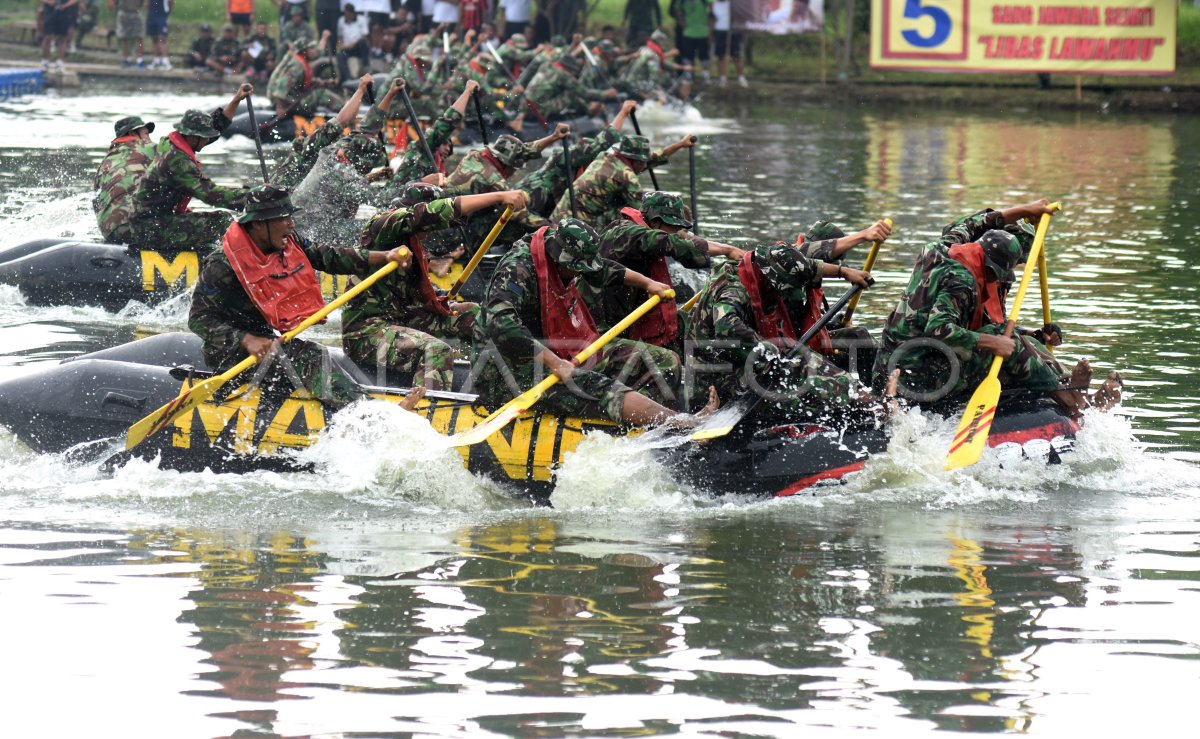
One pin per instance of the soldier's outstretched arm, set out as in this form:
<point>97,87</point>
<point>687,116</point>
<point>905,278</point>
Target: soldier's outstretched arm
<point>239,95</point>
<point>515,199</point>
<point>350,110</point>
<point>1033,211</point>
<point>460,104</point>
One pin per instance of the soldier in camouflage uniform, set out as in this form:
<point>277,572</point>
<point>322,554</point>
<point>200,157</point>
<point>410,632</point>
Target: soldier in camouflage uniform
<point>293,87</point>
<point>558,93</point>
<point>415,67</point>
<point>548,183</point>
<point>946,358</point>
<point>625,382</point>
<point>329,197</point>
<point>610,182</point>
<point>118,177</point>
<point>397,326</point>
<point>232,327</point>
<point>638,247</point>
<point>161,219</point>
<point>292,170</point>
<point>731,346</point>
<point>488,170</point>
<point>649,72</point>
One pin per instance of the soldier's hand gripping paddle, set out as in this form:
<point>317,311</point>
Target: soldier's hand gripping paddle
<point>478,256</point>
<point>189,398</point>
<point>972,434</point>
<point>518,405</point>
<point>703,434</point>
<point>866,268</point>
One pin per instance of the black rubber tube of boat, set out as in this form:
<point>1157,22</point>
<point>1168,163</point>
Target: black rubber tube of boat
<point>412,120</point>
<point>638,130</point>
<point>570,175</point>
<point>262,160</point>
<point>479,116</point>
<point>692,184</point>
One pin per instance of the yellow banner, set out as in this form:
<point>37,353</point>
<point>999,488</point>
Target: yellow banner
<point>1111,37</point>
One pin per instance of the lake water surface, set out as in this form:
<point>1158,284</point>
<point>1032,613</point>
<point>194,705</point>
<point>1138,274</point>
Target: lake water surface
<point>391,593</point>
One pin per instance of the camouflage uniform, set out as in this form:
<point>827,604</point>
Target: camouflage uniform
<point>646,73</point>
<point>475,175</point>
<point>291,33</point>
<point>510,321</point>
<point>330,195</point>
<point>725,314</point>
<point>415,164</point>
<point>117,179</point>
<point>854,347</point>
<point>607,185</point>
<point>226,51</point>
<point>557,93</point>
<point>938,305</point>
<point>548,183</point>
<point>421,80</point>
<point>287,84</point>
<point>635,247</point>
<point>222,313</point>
<point>171,178</point>
<point>390,326</point>
<point>292,170</point>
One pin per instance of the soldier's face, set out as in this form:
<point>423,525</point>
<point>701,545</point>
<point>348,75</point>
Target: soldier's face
<point>143,134</point>
<point>273,235</point>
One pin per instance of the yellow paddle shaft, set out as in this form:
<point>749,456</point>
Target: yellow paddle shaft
<point>871,255</point>
<point>1044,279</point>
<point>483,249</point>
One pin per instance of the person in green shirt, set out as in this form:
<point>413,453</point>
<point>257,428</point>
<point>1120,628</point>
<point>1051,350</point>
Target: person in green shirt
<point>694,16</point>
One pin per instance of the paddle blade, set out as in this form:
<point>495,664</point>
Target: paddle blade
<point>976,424</point>
<point>166,415</point>
<point>712,433</point>
<point>487,427</point>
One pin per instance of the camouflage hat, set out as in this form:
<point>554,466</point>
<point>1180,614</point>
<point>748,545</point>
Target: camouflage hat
<point>442,243</point>
<point>1001,252</point>
<point>228,28</point>
<point>510,151</point>
<point>265,203</point>
<point>518,40</point>
<point>606,46</point>
<point>665,207</point>
<point>558,40</point>
<point>822,230</point>
<point>635,147</point>
<point>579,246</point>
<point>302,45</point>
<point>420,49</point>
<point>783,266</point>
<point>129,124</point>
<point>197,123</point>
<point>1024,231</point>
<point>417,192</point>
<point>658,37</point>
<point>363,151</point>
<point>570,61</point>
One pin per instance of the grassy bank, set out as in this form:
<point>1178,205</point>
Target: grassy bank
<point>795,59</point>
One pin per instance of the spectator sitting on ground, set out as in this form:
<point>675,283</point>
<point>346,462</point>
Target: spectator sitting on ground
<point>129,29</point>
<point>226,57</point>
<point>296,29</point>
<point>202,48</point>
<point>259,54</point>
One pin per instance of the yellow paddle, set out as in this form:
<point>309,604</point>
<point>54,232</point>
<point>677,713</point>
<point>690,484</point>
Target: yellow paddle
<point>189,398</point>
<point>478,257</point>
<point>871,255</point>
<point>976,424</point>
<point>1044,279</point>
<point>518,405</point>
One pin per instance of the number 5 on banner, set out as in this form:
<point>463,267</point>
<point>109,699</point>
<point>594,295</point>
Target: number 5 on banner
<point>925,29</point>
<point>941,24</point>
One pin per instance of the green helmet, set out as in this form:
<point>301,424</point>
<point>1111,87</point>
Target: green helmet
<point>578,244</point>
<point>363,151</point>
<point>518,40</point>
<point>265,203</point>
<point>197,123</point>
<point>129,124</point>
<point>1001,252</point>
<point>784,266</point>
<point>635,147</point>
<point>510,151</point>
<point>822,230</point>
<point>665,207</point>
<point>1024,231</point>
<point>417,192</point>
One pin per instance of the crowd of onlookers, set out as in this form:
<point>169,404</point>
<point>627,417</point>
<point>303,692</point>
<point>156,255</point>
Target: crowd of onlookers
<point>379,29</point>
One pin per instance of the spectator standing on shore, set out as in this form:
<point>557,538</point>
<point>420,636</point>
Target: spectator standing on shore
<point>516,17</point>
<point>727,43</point>
<point>59,21</point>
<point>641,18</point>
<point>156,28</point>
<point>445,12</point>
<point>352,30</point>
<point>694,17</point>
<point>328,13</point>
<point>202,48</point>
<point>259,54</point>
<point>129,29</point>
<point>296,29</point>
<point>241,14</point>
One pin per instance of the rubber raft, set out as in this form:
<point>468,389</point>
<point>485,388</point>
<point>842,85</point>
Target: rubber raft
<point>79,406</point>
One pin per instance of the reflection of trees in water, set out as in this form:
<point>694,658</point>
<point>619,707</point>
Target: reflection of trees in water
<point>246,613</point>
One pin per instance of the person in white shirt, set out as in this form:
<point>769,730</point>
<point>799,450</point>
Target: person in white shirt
<point>352,32</point>
<point>516,17</point>
<point>727,43</point>
<point>445,12</point>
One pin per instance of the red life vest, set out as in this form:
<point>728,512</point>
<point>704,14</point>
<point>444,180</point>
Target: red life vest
<point>772,323</point>
<point>181,143</point>
<point>308,73</point>
<point>124,139</point>
<point>281,284</point>
<point>988,306</point>
<point>661,325</point>
<point>566,321</point>
<point>416,67</point>
<point>477,67</point>
<point>814,298</point>
<point>434,302</point>
<point>491,159</point>
<point>658,50</point>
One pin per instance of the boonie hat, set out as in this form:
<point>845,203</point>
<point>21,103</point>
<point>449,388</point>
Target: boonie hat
<point>266,202</point>
<point>1001,252</point>
<point>579,246</point>
<point>417,192</point>
<point>510,151</point>
<point>822,230</point>
<point>129,124</point>
<point>658,37</point>
<point>665,207</point>
<point>635,147</point>
<point>364,151</point>
<point>784,267</point>
<point>197,123</point>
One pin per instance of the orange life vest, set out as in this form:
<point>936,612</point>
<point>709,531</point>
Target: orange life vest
<point>566,321</point>
<point>771,322</point>
<point>281,284</point>
<point>661,325</point>
<point>988,306</point>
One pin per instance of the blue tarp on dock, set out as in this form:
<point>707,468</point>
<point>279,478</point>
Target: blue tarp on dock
<point>18,82</point>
